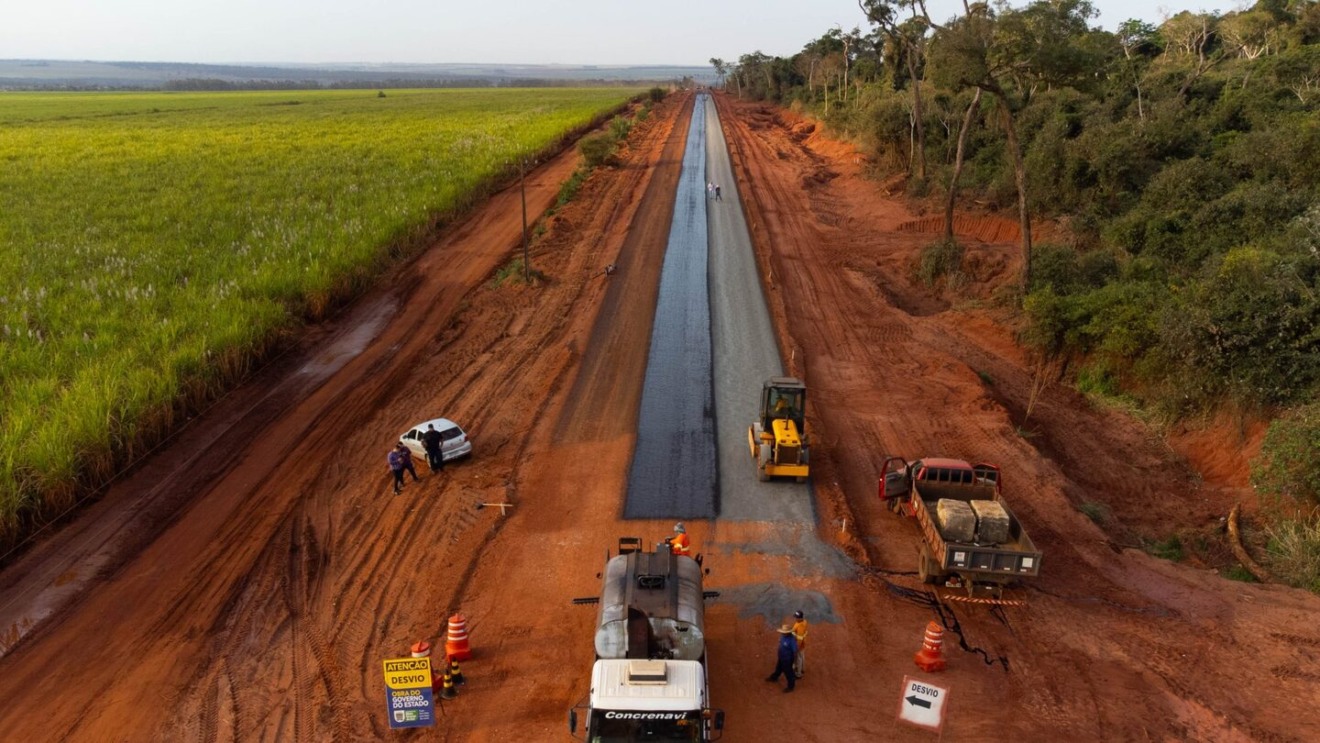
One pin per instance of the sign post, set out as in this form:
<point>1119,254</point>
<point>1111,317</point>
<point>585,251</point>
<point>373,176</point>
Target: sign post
<point>921,703</point>
<point>409,701</point>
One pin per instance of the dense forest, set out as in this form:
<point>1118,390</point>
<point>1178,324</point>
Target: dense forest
<point>1182,158</point>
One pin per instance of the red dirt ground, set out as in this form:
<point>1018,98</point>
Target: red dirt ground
<point>259,600</point>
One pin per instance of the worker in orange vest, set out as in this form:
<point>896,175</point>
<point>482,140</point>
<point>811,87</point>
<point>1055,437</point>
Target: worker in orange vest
<point>679,544</point>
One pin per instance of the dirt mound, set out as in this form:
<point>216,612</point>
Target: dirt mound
<point>801,130</point>
<point>986,229</point>
<point>1222,448</point>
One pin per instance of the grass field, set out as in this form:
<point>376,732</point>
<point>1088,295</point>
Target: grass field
<point>151,244</point>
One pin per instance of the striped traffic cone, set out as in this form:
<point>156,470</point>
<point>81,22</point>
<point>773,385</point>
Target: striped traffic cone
<point>455,673</point>
<point>421,649</point>
<point>448,691</point>
<point>930,657</point>
<point>456,646</point>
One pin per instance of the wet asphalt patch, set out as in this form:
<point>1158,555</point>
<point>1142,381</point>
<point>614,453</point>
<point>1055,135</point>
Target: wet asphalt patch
<point>673,472</point>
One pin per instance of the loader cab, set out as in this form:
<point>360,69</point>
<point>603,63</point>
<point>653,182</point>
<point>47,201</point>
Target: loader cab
<point>783,398</point>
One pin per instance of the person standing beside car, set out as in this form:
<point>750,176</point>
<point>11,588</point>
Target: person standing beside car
<point>395,460</point>
<point>407,461</point>
<point>431,441</point>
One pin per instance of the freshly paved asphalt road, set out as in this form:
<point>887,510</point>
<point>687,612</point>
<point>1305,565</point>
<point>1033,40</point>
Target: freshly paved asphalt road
<point>712,345</point>
<point>673,469</point>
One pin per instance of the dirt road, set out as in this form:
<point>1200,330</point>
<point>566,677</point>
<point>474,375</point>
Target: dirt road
<point>271,570</point>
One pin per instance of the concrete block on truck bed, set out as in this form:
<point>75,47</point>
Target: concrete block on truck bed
<point>991,522</point>
<point>956,519</point>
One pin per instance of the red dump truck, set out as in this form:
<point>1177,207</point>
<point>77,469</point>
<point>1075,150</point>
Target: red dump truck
<point>969,535</point>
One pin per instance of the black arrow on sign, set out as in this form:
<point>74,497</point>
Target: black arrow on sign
<point>918,701</point>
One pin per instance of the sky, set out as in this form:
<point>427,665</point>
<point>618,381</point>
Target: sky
<point>574,32</point>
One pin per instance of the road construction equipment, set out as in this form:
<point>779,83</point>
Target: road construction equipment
<point>778,438</point>
<point>649,680</point>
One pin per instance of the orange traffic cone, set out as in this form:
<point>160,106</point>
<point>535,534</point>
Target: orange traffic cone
<point>931,657</point>
<point>456,647</point>
<point>421,649</point>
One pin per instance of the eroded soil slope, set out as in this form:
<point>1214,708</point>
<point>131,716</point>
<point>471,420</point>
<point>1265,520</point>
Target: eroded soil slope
<point>1113,644</point>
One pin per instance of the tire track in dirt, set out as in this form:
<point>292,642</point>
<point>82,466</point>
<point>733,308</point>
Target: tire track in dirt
<point>575,435</point>
<point>617,337</point>
<point>1096,660</point>
<point>374,379</point>
<point>1116,674</point>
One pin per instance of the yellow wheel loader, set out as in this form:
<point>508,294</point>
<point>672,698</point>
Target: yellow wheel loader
<point>778,438</point>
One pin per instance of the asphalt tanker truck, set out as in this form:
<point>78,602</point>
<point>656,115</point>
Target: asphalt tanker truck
<point>649,679</point>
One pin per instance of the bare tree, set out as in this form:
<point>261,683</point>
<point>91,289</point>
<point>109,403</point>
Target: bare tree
<point>1252,34</point>
<point>1193,35</point>
<point>910,36</point>
<point>1008,55</point>
<point>958,164</point>
<point>831,68</point>
<point>1134,36</point>
<point>806,63</point>
<point>720,69</point>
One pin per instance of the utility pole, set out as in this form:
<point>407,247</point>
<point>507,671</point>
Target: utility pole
<point>522,187</point>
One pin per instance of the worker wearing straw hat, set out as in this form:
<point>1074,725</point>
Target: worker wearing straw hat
<point>784,661</point>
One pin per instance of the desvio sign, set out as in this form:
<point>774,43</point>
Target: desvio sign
<point>409,701</point>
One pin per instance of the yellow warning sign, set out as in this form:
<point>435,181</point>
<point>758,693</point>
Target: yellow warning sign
<point>408,673</point>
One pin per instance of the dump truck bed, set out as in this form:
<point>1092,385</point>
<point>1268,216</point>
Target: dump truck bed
<point>995,563</point>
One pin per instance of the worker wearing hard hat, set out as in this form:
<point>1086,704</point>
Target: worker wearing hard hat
<point>679,544</point>
<point>800,634</point>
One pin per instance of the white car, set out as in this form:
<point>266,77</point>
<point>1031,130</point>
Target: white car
<point>454,443</point>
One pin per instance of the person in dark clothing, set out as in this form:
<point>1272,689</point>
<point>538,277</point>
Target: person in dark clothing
<point>787,653</point>
<point>435,456</point>
<point>395,461</point>
<point>407,461</point>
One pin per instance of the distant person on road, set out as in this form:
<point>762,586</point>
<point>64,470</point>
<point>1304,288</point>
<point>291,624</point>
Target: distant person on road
<point>784,662</point>
<point>395,461</point>
<point>717,192</point>
<point>710,190</point>
<point>435,456</point>
<point>800,634</point>
<point>679,544</point>
<point>407,461</point>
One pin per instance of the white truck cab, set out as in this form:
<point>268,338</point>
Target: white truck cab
<point>643,700</point>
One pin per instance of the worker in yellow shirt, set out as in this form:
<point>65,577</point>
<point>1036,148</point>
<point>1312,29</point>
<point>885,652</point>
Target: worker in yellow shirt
<point>799,632</point>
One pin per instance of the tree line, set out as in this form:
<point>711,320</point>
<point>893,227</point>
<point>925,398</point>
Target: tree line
<point>1183,157</point>
<point>218,84</point>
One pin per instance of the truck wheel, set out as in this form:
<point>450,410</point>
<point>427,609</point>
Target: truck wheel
<point>765,459</point>
<point>926,568</point>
